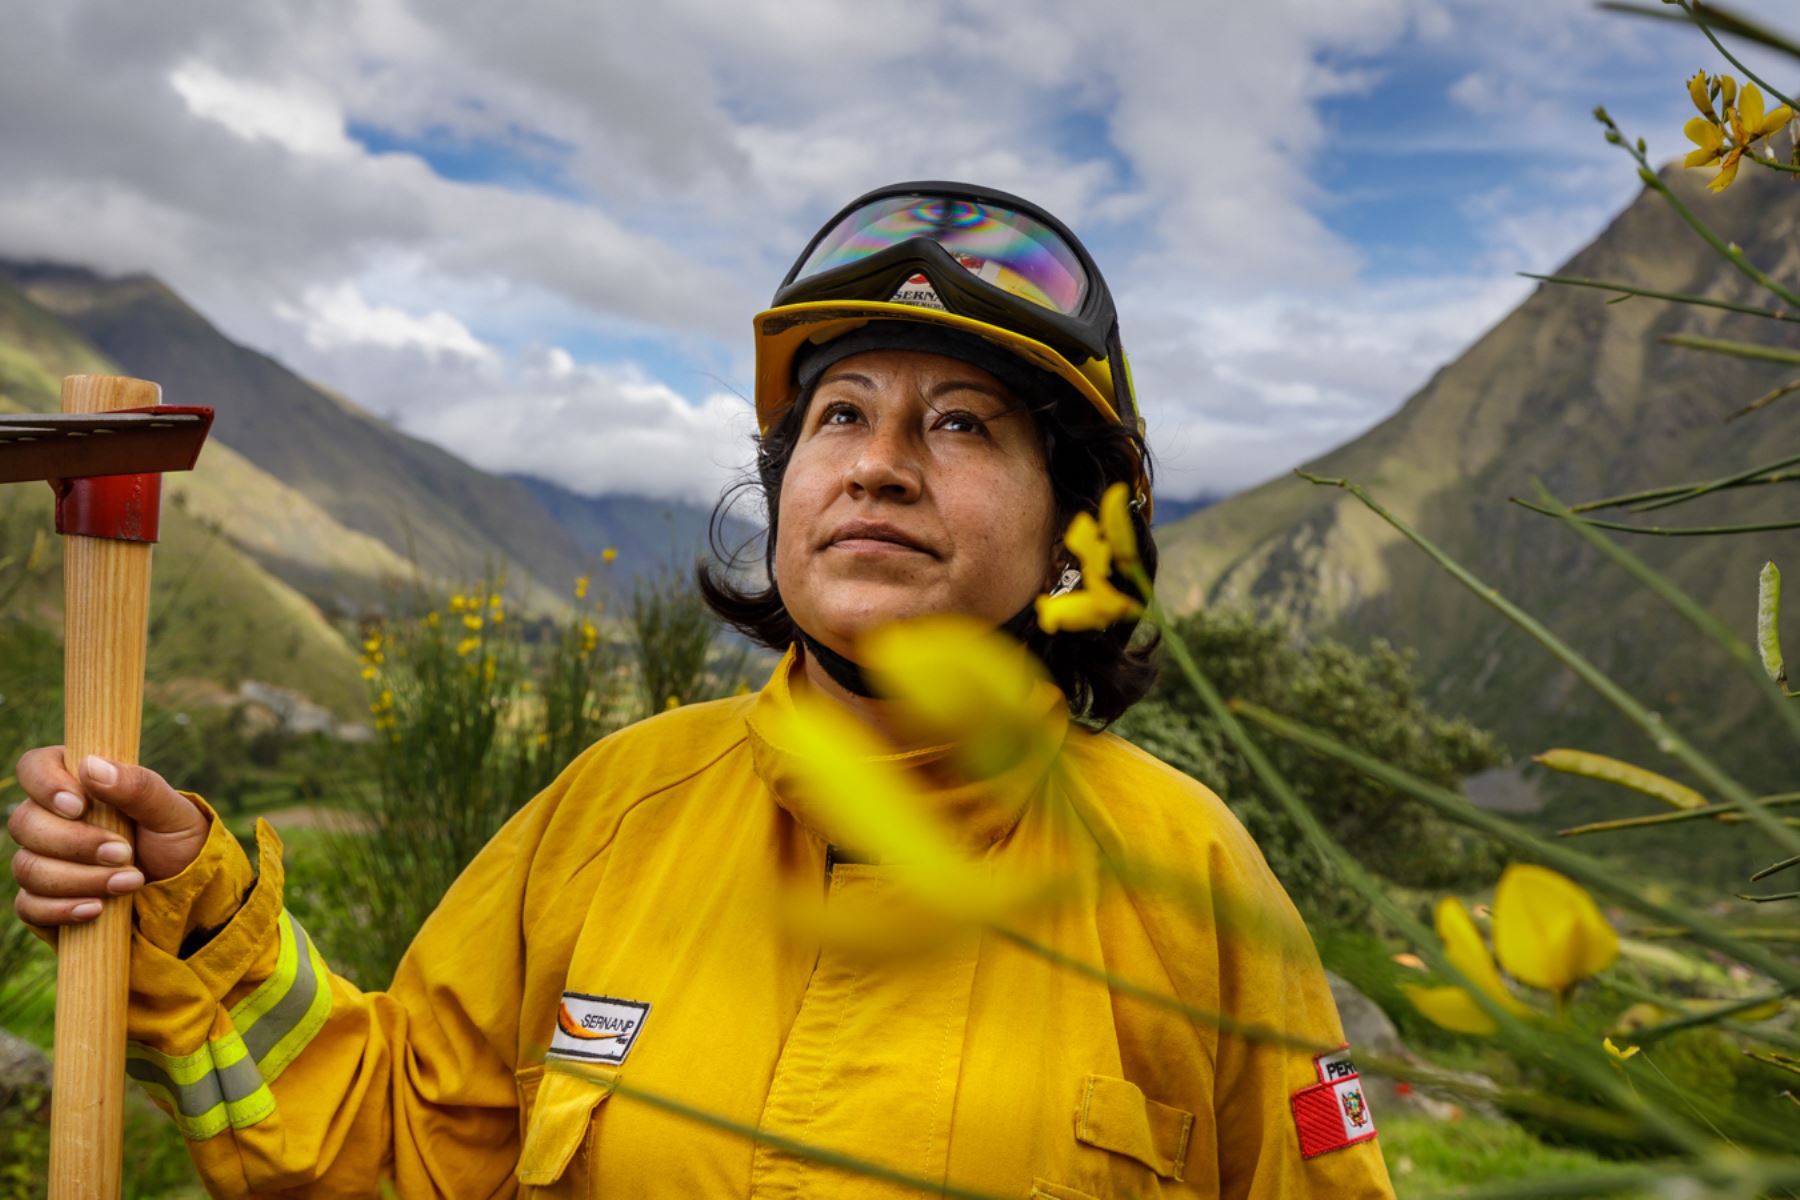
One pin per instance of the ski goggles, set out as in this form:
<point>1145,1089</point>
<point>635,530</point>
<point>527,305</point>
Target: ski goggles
<point>976,253</point>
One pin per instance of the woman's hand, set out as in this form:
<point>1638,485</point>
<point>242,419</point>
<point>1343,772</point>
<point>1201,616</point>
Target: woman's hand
<point>65,866</point>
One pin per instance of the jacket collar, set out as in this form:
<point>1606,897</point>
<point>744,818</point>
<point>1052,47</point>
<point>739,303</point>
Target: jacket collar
<point>976,815</point>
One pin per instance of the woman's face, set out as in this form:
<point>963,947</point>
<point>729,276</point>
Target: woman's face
<point>917,486</point>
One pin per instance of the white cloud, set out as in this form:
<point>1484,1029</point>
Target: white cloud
<point>299,119</point>
<point>339,316</point>
<point>697,143</point>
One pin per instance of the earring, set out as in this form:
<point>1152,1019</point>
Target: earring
<point>1071,579</point>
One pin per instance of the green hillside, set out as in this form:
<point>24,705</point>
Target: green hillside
<point>423,503</point>
<point>216,613</point>
<point>1583,395</point>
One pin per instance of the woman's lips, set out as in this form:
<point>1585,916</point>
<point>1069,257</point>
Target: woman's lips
<point>869,545</point>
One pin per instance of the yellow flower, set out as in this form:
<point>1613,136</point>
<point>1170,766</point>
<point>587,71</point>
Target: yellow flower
<point>468,646</point>
<point>610,553</point>
<point>498,617</point>
<point>1749,124</point>
<point>1617,1053</point>
<point>386,699</point>
<point>1708,136</point>
<point>1454,1007</point>
<point>956,679</point>
<point>581,587</point>
<point>672,703</point>
<point>1096,604</point>
<point>458,602</point>
<point>471,621</point>
<point>372,643</point>
<point>431,619</point>
<point>488,670</point>
<point>1548,931</point>
<point>1115,524</point>
<point>1697,92</point>
<point>494,600</point>
<point>369,672</point>
<point>743,688</point>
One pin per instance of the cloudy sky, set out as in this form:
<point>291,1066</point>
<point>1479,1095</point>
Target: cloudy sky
<point>536,232</point>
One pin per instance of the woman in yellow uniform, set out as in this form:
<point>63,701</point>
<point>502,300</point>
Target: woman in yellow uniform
<point>616,999</point>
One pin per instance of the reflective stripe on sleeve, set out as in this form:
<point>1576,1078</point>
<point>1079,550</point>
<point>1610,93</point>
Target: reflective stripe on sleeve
<point>225,1082</point>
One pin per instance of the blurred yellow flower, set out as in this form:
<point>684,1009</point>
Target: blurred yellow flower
<point>494,601</point>
<point>1617,1053</point>
<point>431,619</point>
<point>458,602</point>
<point>581,587</point>
<point>743,688</point>
<point>610,553</point>
<point>369,672</point>
<point>372,643</point>
<point>1115,524</point>
<point>672,703</point>
<point>468,646</point>
<point>471,621</point>
<point>489,669</point>
<point>1096,604</point>
<point>1453,1007</point>
<point>1548,932</point>
<point>958,680</point>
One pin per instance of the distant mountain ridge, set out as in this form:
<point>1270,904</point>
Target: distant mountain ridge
<point>1582,395</point>
<point>327,503</point>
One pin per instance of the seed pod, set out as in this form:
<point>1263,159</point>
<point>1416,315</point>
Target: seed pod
<point>1768,623</point>
<point>1612,770</point>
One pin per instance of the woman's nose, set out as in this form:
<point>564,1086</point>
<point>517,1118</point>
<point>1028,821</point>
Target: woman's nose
<point>887,466</point>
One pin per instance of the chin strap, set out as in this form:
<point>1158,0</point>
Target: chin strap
<point>849,674</point>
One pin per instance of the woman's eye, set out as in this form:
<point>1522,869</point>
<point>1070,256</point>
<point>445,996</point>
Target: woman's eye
<point>838,414</point>
<point>961,422</point>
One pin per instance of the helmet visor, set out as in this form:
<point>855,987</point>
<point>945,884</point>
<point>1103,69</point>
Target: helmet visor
<point>1006,249</point>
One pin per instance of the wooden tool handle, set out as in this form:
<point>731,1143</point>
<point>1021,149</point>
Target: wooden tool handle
<point>106,621</point>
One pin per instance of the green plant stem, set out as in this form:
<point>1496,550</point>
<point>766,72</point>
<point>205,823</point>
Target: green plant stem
<point>1651,1034</point>
<point>1584,1062</point>
<point>1661,531</point>
<point>1676,489</point>
<point>1763,401</point>
<point>1779,800</point>
<point>1693,12</point>
<point>1716,485</point>
<point>1773,1037</point>
<point>1690,611</point>
<point>1572,863</point>
<point>1783,865</point>
<point>1729,253</point>
<point>1751,350</point>
<point>1777,314</point>
<point>1660,734</point>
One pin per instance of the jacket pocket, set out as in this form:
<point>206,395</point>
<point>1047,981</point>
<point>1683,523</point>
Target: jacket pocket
<point>1043,1189</point>
<point>1115,1115</point>
<point>557,1109</point>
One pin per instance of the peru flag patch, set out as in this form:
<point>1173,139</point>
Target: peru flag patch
<point>1332,1113</point>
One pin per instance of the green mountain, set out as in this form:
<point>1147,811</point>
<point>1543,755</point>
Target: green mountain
<point>421,502</point>
<point>217,614</point>
<point>1586,397</point>
<point>650,535</point>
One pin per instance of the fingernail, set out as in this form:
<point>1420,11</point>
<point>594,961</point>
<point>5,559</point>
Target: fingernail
<point>86,909</point>
<point>100,771</point>
<point>125,881</point>
<point>115,854</point>
<point>66,803</point>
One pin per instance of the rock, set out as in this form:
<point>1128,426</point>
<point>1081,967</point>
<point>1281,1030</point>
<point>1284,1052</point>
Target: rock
<point>24,1073</point>
<point>1369,1031</point>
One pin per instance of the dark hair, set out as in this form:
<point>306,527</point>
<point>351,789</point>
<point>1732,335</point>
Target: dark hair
<point>1101,672</point>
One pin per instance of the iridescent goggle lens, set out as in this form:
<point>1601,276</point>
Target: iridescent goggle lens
<point>1005,248</point>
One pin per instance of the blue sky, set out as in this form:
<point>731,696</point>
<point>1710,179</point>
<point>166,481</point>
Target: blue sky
<point>485,223</point>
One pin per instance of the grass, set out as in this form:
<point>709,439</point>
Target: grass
<point>1426,1156</point>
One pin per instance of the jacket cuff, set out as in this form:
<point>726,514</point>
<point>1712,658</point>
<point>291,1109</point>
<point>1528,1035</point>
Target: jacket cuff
<point>202,895</point>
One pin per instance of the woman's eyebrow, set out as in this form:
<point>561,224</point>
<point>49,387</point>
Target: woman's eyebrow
<point>956,385</point>
<point>852,376</point>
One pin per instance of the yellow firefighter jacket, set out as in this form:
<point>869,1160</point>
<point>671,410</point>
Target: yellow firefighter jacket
<point>616,1000</point>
